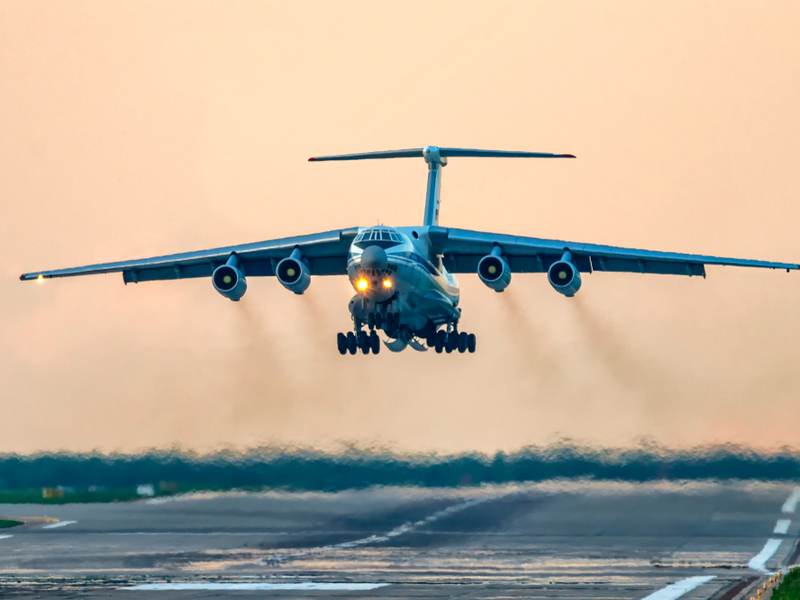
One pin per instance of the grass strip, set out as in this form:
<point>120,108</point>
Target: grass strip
<point>789,588</point>
<point>6,523</point>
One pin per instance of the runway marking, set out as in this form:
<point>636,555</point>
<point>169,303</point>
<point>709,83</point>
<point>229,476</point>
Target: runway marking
<point>782,526</point>
<point>59,524</point>
<point>402,529</point>
<point>679,588</point>
<point>791,502</point>
<point>2,537</point>
<point>200,533</point>
<point>759,561</point>
<point>350,587</point>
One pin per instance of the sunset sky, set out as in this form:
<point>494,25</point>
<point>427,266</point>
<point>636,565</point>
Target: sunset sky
<point>133,129</point>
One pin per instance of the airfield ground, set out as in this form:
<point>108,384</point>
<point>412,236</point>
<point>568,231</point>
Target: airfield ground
<point>551,540</point>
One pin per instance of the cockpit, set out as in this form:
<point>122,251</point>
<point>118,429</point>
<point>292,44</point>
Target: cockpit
<point>377,236</point>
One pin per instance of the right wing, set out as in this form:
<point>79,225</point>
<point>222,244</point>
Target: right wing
<point>326,254</point>
<point>462,249</point>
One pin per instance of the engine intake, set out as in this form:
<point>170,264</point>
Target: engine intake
<point>564,276</point>
<point>293,274</point>
<point>229,281</point>
<point>494,271</point>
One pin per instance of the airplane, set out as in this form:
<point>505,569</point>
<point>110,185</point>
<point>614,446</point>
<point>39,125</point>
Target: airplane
<point>404,277</point>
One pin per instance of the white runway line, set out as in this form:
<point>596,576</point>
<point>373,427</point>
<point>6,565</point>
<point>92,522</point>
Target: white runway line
<point>2,537</point>
<point>782,526</point>
<point>59,524</point>
<point>791,502</point>
<point>406,528</point>
<point>760,559</point>
<point>679,588</point>
<point>350,587</point>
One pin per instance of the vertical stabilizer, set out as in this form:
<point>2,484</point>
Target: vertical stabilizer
<point>433,193</point>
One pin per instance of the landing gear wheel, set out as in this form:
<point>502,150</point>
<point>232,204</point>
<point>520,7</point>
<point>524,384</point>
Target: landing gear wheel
<point>471,343</point>
<point>363,342</point>
<point>452,342</point>
<point>378,321</point>
<point>431,340</point>
<point>462,342</point>
<point>352,342</point>
<point>341,343</point>
<point>374,342</point>
<point>371,321</point>
<point>441,339</point>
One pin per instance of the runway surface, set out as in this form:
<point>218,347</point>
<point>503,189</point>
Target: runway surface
<point>570,540</point>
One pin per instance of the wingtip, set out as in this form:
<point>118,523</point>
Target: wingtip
<point>312,159</point>
<point>568,156</point>
<point>22,277</point>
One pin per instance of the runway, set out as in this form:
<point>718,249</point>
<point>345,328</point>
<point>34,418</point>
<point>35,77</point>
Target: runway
<point>550,540</point>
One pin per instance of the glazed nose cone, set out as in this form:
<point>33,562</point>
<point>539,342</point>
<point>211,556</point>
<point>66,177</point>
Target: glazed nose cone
<point>374,257</point>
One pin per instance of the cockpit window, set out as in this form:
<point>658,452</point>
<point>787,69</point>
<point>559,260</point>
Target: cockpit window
<point>377,236</point>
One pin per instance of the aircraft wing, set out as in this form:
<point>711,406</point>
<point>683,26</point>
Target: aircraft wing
<point>462,249</point>
<point>326,254</point>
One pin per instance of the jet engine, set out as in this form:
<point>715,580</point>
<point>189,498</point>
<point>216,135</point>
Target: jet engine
<point>564,276</point>
<point>494,270</point>
<point>293,273</point>
<point>229,281</point>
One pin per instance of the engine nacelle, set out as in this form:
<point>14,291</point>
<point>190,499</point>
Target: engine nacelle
<point>293,273</point>
<point>564,276</point>
<point>229,280</point>
<point>494,270</point>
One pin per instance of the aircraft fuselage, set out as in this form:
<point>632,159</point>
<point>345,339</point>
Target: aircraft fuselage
<point>394,272</point>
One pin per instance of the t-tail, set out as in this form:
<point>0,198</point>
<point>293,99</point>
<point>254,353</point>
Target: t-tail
<point>437,158</point>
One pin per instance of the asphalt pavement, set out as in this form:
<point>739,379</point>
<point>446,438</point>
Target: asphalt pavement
<point>550,540</point>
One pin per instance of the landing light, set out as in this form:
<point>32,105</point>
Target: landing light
<point>362,284</point>
<point>387,283</point>
<point>40,278</point>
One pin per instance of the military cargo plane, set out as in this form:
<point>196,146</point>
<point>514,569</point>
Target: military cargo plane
<point>404,277</point>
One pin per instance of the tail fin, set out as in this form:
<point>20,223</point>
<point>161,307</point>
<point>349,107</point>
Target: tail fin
<point>436,159</point>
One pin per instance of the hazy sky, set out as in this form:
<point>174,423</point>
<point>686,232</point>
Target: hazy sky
<point>132,129</point>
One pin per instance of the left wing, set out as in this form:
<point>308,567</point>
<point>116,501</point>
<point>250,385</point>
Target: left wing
<point>326,254</point>
<point>462,249</point>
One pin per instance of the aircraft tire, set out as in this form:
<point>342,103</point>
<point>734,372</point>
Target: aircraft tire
<point>471,343</point>
<point>452,342</point>
<point>378,321</point>
<point>462,342</point>
<point>363,342</point>
<point>371,321</point>
<point>374,342</point>
<point>341,343</point>
<point>441,338</point>
<point>431,340</point>
<point>352,342</point>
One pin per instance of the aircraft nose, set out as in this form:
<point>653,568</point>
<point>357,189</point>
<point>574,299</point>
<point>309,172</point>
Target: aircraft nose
<point>374,257</point>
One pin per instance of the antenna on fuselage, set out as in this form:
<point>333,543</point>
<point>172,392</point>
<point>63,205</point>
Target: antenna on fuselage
<point>437,158</point>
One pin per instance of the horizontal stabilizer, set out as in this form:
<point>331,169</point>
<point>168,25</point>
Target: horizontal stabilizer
<point>442,152</point>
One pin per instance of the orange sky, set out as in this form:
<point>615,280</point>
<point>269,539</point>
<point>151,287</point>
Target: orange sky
<point>132,129</point>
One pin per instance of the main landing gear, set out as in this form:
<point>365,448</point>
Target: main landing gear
<point>363,341</point>
<point>448,342</point>
<point>444,340</point>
